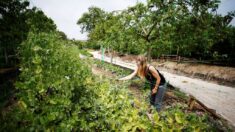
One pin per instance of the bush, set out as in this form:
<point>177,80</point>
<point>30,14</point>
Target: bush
<point>50,73</point>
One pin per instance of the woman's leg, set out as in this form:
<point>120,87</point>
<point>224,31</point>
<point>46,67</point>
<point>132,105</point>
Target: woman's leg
<point>159,96</point>
<point>151,101</point>
<point>152,98</point>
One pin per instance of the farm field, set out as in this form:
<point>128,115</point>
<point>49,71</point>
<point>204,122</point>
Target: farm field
<point>120,66</point>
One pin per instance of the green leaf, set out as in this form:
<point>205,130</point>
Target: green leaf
<point>178,118</point>
<point>170,120</point>
<point>52,102</point>
<point>22,103</point>
<point>156,117</point>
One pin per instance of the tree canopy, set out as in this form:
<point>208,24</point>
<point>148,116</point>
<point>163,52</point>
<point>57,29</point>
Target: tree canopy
<point>183,27</point>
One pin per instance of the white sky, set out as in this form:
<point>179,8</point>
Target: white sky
<point>66,13</point>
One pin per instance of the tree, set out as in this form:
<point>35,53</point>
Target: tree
<point>149,21</point>
<point>199,29</point>
<point>15,22</point>
<point>13,28</point>
<point>62,35</point>
<point>37,21</point>
<point>89,20</point>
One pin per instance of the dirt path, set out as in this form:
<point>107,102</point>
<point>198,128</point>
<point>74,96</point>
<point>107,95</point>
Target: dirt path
<point>217,97</point>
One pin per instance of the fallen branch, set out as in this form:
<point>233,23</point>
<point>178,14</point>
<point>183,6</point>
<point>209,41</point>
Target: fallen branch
<point>8,70</point>
<point>193,104</point>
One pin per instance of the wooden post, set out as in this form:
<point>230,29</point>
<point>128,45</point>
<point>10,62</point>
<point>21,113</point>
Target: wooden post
<point>178,59</point>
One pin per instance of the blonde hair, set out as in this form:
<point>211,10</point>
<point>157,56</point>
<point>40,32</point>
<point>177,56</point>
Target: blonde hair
<point>142,61</point>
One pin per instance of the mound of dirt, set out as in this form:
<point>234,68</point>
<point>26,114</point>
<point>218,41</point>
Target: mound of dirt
<point>219,74</point>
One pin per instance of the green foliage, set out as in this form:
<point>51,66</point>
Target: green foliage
<point>57,92</point>
<point>13,28</point>
<point>174,118</point>
<point>89,20</point>
<point>16,21</point>
<point>86,53</point>
<point>39,22</point>
<point>112,110</point>
<point>50,74</point>
<point>62,35</point>
<point>186,28</point>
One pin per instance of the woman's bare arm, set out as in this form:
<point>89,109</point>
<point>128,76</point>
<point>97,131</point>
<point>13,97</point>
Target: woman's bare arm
<point>156,75</point>
<point>129,76</point>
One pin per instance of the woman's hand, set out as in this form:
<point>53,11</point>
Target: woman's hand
<point>121,79</point>
<point>129,76</point>
<point>154,91</point>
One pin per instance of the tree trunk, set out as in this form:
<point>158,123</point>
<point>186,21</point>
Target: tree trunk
<point>149,53</point>
<point>5,55</point>
<point>126,48</point>
<point>108,50</point>
<point>178,48</point>
<point>111,56</point>
<point>177,53</point>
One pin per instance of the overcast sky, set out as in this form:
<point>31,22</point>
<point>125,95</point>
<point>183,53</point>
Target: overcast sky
<point>65,13</point>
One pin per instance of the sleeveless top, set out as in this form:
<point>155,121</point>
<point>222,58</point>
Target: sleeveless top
<point>152,80</point>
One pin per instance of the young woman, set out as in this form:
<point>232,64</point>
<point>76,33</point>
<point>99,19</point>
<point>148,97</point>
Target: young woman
<point>155,79</point>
